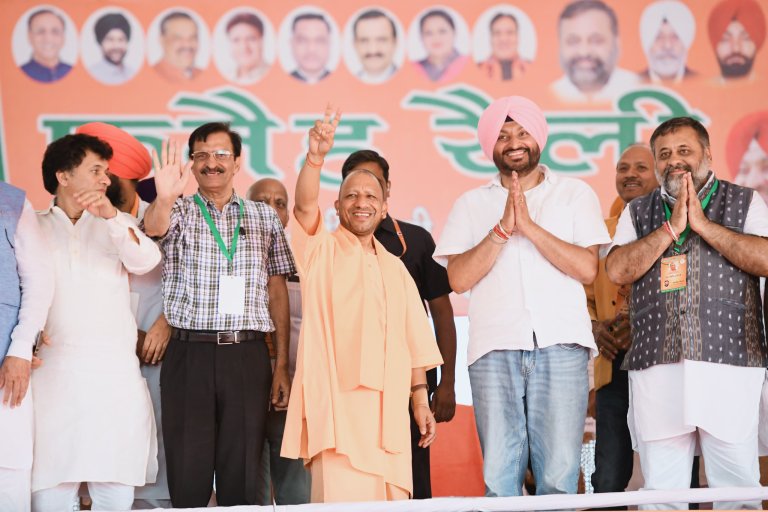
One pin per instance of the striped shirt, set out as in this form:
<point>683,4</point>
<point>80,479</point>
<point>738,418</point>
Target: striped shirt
<point>193,264</point>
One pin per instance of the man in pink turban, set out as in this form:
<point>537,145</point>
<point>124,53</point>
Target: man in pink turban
<point>524,244</point>
<point>130,163</point>
<point>737,32</point>
<point>747,152</point>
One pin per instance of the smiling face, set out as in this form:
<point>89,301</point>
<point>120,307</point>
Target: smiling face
<point>179,41</point>
<point>115,46</point>
<point>588,49</point>
<point>246,44</point>
<point>46,36</point>
<point>678,153</point>
<point>515,150</point>
<point>361,205</point>
<point>375,44</point>
<point>215,175</point>
<point>666,56</point>
<point>438,37</point>
<point>635,174</point>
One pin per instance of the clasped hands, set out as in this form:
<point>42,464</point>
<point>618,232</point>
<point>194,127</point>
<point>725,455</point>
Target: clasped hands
<point>516,217</point>
<point>687,210</point>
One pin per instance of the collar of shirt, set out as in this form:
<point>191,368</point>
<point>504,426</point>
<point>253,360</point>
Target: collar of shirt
<point>387,225</point>
<point>234,199</point>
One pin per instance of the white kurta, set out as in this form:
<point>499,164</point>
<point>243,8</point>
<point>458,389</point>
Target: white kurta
<point>93,413</point>
<point>35,276</point>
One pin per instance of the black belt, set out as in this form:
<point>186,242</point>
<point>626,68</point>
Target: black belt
<point>218,337</point>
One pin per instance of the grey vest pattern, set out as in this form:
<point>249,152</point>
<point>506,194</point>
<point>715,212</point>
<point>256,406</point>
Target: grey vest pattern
<point>11,204</point>
<point>718,316</point>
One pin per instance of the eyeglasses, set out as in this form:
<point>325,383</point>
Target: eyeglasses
<point>221,155</point>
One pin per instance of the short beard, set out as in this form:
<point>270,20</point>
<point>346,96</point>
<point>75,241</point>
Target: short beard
<point>534,156</point>
<point>736,70</point>
<point>673,184</point>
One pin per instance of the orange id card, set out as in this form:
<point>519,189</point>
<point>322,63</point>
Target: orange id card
<point>673,273</point>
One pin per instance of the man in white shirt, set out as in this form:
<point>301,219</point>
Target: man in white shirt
<point>93,420</point>
<point>113,33</point>
<point>588,32</point>
<point>130,163</point>
<point>693,250</point>
<point>530,332</point>
<point>26,275</point>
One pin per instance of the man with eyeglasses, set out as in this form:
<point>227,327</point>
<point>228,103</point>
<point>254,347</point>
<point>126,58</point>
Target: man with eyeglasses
<point>224,272</point>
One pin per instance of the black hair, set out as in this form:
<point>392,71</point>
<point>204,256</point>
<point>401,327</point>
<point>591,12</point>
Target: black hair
<point>249,19</point>
<point>373,14</point>
<point>361,157</point>
<point>581,6</point>
<point>44,11</point>
<point>202,133</point>
<point>307,16</point>
<point>504,15</point>
<point>674,124</point>
<point>68,152</point>
<point>440,14</point>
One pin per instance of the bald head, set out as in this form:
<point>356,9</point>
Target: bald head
<point>635,172</point>
<point>362,202</point>
<point>272,192</point>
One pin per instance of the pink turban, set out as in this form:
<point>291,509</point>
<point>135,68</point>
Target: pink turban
<point>130,159</point>
<point>522,110</point>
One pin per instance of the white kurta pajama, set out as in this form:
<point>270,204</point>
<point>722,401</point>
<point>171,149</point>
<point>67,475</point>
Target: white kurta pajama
<point>93,420</point>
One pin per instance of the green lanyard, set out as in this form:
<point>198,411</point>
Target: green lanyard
<point>215,232</point>
<point>681,238</point>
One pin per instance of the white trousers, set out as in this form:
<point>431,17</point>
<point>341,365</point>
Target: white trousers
<point>667,463</point>
<point>15,489</point>
<point>105,496</point>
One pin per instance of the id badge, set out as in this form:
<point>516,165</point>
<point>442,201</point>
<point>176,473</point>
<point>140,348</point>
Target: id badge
<point>231,295</point>
<point>674,272</point>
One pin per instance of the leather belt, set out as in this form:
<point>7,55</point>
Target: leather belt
<point>218,337</point>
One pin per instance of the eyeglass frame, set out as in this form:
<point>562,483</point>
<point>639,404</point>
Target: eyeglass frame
<point>220,155</point>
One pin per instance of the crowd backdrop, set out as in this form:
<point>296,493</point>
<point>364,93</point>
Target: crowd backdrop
<point>423,123</point>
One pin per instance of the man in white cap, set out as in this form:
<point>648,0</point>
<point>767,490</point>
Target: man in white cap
<point>524,244</point>
<point>666,32</point>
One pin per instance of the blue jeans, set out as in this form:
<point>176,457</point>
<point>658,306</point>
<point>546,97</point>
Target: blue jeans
<point>531,402</point>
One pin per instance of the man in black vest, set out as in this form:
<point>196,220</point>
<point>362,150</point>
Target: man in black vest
<point>693,250</point>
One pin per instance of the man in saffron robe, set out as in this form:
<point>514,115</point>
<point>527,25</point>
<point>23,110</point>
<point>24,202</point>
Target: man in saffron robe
<point>365,340</point>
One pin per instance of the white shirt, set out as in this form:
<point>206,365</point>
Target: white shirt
<point>370,78</point>
<point>524,293</point>
<point>93,418</point>
<point>620,82</point>
<point>36,277</point>
<point>110,73</point>
<point>673,399</point>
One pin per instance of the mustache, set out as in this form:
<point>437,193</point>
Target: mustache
<point>631,181</point>
<point>679,167</point>
<point>373,55</point>
<point>216,170</point>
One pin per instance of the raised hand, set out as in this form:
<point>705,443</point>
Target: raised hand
<point>322,133</point>
<point>170,176</point>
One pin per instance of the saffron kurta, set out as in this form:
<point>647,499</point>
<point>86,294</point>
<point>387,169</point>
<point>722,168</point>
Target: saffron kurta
<point>364,329</point>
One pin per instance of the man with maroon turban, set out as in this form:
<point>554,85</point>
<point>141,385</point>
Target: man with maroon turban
<point>524,244</point>
<point>747,152</point>
<point>130,163</point>
<point>737,32</point>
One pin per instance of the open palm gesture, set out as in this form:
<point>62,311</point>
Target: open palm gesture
<point>322,133</point>
<point>170,176</point>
